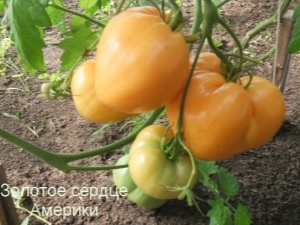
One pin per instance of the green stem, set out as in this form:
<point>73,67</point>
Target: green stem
<point>217,51</point>
<point>251,62</point>
<point>194,168</point>
<point>210,12</point>
<point>120,5</point>
<point>229,205</point>
<point>198,18</point>
<point>60,161</point>
<point>33,214</point>
<point>222,3</point>
<point>178,18</point>
<point>235,39</point>
<point>264,24</point>
<point>52,4</point>
<point>181,109</point>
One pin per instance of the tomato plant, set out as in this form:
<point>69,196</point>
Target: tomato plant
<point>85,99</point>
<point>122,178</point>
<point>152,63</point>
<point>151,169</point>
<point>222,119</point>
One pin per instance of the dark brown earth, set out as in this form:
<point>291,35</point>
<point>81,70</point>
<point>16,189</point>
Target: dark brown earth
<point>269,175</point>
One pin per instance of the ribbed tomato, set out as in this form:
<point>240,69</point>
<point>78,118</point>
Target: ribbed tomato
<point>151,169</point>
<point>223,119</point>
<point>141,63</point>
<point>85,99</point>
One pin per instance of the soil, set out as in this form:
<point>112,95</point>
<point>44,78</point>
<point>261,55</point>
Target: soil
<point>269,175</point>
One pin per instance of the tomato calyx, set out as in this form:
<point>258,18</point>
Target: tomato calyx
<point>53,90</point>
<point>172,148</point>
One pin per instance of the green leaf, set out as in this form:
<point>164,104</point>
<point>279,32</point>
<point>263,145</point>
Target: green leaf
<point>242,216</point>
<point>57,17</point>
<point>25,18</point>
<point>83,39</point>
<point>90,7</point>
<point>26,221</point>
<point>297,11</point>
<point>229,184</point>
<point>102,3</point>
<point>76,22</point>
<point>219,214</point>
<point>2,6</point>
<point>26,66</point>
<point>86,4</point>
<point>207,168</point>
<point>294,45</point>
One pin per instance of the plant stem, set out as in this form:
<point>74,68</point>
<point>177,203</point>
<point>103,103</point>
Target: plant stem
<point>251,62</point>
<point>222,3</point>
<point>198,18</point>
<point>120,5</point>
<point>264,24</point>
<point>178,18</point>
<point>52,4</point>
<point>60,161</point>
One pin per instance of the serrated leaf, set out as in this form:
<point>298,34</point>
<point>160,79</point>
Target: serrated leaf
<point>242,216</point>
<point>207,167</point>
<point>219,213</point>
<point>24,19</point>
<point>83,39</point>
<point>294,45</point>
<point>229,184</point>
<point>26,221</point>
<point>57,17</point>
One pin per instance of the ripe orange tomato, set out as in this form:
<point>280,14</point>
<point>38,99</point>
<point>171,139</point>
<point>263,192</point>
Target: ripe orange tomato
<point>85,99</point>
<point>222,119</point>
<point>141,63</point>
<point>207,61</point>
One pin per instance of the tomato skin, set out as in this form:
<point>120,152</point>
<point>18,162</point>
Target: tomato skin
<point>85,99</point>
<point>151,170</point>
<point>122,178</point>
<point>222,119</point>
<point>207,61</point>
<point>141,63</point>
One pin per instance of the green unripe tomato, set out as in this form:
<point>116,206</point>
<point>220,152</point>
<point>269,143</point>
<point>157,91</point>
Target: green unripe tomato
<point>122,178</point>
<point>150,168</point>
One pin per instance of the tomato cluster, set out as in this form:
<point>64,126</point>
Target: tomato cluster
<point>141,65</point>
<point>222,119</point>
